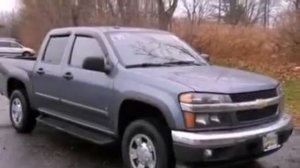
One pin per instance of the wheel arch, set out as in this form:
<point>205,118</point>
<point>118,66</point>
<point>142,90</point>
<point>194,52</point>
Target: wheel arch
<point>13,84</point>
<point>133,109</point>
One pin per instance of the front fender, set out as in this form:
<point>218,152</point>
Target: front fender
<point>165,102</point>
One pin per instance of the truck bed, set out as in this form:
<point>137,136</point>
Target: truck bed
<point>13,64</point>
<point>25,63</point>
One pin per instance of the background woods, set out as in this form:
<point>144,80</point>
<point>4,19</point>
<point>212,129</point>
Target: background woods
<point>243,33</point>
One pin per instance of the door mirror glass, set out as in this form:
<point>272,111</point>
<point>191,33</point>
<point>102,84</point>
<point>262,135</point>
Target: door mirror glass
<point>95,64</point>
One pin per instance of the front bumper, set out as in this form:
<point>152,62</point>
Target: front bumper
<point>229,145</point>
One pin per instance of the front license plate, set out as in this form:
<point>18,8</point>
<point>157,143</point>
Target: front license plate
<point>270,142</point>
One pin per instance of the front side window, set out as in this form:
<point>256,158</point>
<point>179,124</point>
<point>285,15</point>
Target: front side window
<point>83,48</point>
<point>55,49</point>
<point>16,45</point>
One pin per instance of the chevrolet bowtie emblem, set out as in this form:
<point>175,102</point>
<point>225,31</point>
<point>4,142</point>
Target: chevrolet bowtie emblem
<point>261,103</point>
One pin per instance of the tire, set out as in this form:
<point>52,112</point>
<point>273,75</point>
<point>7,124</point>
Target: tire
<point>26,54</point>
<point>145,130</point>
<point>21,116</point>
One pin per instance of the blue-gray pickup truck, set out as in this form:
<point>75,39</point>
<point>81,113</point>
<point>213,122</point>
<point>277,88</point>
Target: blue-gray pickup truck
<point>148,90</point>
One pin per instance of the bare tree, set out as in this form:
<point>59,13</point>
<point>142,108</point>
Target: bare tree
<point>219,11</point>
<point>266,13</point>
<point>75,12</point>
<point>245,12</point>
<point>40,16</point>
<point>166,9</point>
<point>196,10</point>
<point>8,24</point>
<point>296,4</point>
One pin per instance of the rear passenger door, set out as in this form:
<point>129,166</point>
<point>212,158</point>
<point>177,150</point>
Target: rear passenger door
<point>47,75</point>
<point>86,93</point>
<point>6,49</point>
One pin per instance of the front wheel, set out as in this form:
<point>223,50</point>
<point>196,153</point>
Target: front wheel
<point>145,144</point>
<point>21,116</point>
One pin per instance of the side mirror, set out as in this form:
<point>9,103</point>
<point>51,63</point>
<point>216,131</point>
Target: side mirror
<point>206,57</point>
<point>95,64</point>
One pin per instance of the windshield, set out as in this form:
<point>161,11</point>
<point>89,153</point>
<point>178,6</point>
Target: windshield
<point>144,48</point>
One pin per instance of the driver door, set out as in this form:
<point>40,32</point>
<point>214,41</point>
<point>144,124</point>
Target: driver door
<point>87,94</point>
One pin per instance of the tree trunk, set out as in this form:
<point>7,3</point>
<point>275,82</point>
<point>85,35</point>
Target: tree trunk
<point>219,10</point>
<point>165,16</point>
<point>297,4</point>
<point>75,13</point>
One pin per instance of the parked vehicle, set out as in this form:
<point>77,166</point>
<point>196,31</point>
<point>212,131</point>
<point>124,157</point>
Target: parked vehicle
<point>11,47</point>
<point>149,90</point>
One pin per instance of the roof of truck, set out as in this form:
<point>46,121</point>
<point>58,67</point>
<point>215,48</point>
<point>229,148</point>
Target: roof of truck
<point>104,29</point>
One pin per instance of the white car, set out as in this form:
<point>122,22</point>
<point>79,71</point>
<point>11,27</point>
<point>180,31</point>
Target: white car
<point>10,47</point>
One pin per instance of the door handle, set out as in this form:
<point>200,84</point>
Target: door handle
<point>68,76</point>
<point>40,71</point>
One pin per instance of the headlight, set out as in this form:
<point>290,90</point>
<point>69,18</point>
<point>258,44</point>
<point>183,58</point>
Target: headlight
<point>280,92</point>
<point>203,119</point>
<point>203,98</point>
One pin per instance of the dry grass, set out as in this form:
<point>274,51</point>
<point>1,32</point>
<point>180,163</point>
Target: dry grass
<point>252,48</point>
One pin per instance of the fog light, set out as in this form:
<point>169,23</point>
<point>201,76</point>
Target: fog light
<point>215,119</point>
<point>208,153</point>
<point>202,120</point>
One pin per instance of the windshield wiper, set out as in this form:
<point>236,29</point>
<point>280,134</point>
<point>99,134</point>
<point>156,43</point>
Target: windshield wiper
<point>145,65</point>
<point>183,63</point>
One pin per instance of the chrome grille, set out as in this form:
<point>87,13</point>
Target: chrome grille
<point>252,96</point>
<point>257,114</point>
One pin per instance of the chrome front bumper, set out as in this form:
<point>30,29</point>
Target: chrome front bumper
<point>232,137</point>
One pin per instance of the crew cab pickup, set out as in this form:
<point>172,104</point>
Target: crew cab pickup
<point>148,90</point>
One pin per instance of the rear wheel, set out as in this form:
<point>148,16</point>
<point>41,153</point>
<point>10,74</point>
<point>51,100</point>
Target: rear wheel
<point>21,116</point>
<point>26,54</point>
<point>146,144</point>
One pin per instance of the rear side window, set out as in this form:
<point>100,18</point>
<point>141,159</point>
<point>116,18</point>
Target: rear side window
<point>5,44</point>
<point>55,49</point>
<point>85,47</point>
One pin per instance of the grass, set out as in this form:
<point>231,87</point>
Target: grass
<point>292,93</point>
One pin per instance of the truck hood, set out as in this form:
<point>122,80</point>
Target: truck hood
<point>213,79</point>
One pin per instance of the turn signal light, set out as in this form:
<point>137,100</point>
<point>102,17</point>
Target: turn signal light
<point>190,120</point>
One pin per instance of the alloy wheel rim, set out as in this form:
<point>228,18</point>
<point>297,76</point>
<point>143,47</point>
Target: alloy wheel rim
<point>142,152</point>
<point>16,111</point>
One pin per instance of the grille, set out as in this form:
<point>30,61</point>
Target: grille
<point>251,96</point>
<point>252,115</point>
